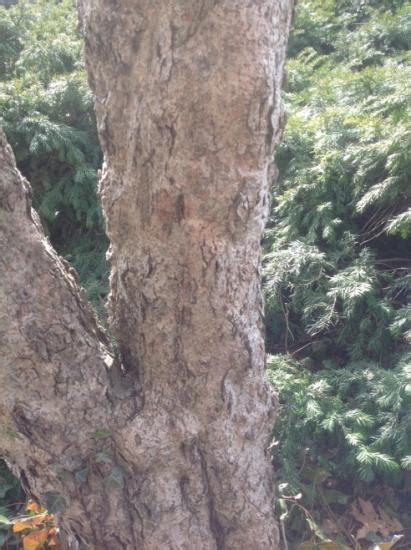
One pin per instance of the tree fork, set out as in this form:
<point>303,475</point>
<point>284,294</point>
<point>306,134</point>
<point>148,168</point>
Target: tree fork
<point>165,447</point>
<point>58,398</point>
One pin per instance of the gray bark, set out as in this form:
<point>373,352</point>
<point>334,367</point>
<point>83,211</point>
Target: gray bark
<point>58,399</point>
<point>166,446</point>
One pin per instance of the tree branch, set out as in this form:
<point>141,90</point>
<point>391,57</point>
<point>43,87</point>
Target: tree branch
<point>58,391</point>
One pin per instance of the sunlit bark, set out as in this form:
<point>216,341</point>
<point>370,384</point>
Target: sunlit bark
<point>165,447</point>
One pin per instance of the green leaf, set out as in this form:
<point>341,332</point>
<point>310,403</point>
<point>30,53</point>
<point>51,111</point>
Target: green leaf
<point>5,520</point>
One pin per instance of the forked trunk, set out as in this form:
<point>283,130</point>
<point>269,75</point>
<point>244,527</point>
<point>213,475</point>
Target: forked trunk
<point>188,107</point>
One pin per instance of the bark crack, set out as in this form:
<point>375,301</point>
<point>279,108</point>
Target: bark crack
<point>218,531</point>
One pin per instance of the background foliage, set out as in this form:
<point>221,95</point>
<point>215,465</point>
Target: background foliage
<point>11,502</point>
<point>337,250</point>
<point>47,113</point>
<point>337,267</point>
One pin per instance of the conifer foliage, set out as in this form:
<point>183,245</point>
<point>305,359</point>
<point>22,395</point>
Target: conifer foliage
<point>47,113</point>
<point>337,262</point>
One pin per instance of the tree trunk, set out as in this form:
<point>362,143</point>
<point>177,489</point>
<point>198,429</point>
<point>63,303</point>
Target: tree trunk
<point>165,448</point>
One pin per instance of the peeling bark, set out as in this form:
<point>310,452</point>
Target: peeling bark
<point>166,447</point>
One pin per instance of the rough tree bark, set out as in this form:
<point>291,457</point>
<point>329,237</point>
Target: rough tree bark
<point>158,440</point>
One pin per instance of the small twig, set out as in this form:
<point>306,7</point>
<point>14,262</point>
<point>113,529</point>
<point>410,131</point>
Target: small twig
<point>287,325</point>
<point>303,508</point>
<point>362,243</point>
<point>371,227</point>
<point>387,261</point>
<point>283,534</point>
<point>304,459</point>
<point>304,346</point>
<point>341,528</point>
<point>371,218</point>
